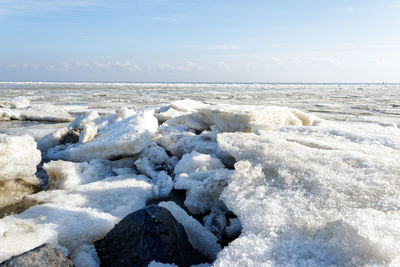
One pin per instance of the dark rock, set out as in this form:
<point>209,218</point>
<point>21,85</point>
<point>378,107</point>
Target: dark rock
<point>71,137</point>
<point>148,234</point>
<point>42,256</point>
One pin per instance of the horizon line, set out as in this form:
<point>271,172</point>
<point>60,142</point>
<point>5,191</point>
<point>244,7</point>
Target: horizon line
<point>196,82</point>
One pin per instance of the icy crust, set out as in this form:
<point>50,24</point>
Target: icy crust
<point>314,196</point>
<point>18,158</point>
<point>122,134</point>
<point>245,118</point>
<point>178,108</point>
<point>84,205</point>
<point>203,177</point>
<point>20,108</point>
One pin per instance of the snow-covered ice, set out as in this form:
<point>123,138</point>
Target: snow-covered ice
<point>312,181</point>
<point>73,218</point>
<point>116,137</point>
<point>314,196</point>
<point>18,160</point>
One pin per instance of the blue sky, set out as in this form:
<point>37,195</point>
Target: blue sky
<point>200,40</point>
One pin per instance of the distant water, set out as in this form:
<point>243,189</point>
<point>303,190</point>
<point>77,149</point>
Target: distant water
<point>354,102</point>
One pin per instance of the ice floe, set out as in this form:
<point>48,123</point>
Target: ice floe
<point>116,137</point>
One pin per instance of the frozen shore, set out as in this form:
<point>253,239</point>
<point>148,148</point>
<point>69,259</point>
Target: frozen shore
<point>299,189</point>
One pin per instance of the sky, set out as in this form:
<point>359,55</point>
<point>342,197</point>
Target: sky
<point>200,40</point>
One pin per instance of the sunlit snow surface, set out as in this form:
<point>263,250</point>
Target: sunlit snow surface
<point>311,170</point>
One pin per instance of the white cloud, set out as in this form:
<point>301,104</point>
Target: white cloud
<point>216,47</point>
<point>277,60</point>
<point>28,7</point>
<point>66,66</point>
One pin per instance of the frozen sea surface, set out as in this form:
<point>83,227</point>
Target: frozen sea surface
<point>310,170</point>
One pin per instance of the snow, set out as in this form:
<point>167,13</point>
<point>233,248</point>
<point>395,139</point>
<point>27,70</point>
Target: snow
<point>201,239</point>
<point>319,196</point>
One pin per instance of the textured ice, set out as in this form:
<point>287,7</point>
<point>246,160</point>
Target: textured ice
<point>17,102</point>
<point>68,175</point>
<point>155,163</point>
<point>230,118</point>
<point>117,136</point>
<point>73,219</point>
<point>246,118</point>
<point>160,264</point>
<point>203,188</point>
<point>38,112</point>
<point>195,162</point>
<point>323,195</point>
<point>18,158</point>
<point>201,239</point>
<point>314,196</point>
<point>179,108</point>
<point>203,177</point>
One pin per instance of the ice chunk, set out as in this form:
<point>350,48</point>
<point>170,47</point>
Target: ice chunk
<point>314,196</point>
<point>204,143</point>
<point>38,112</point>
<point>85,256</point>
<point>201,239</point>
<point>152,160</point>
<point>88,133</point>
<point>74,219</point>
<point>163,184</point>
<point>67,175</point>
<point>230,118</point>
<point>88,120</point>
<point>245,118</point>
<point>195,162</point>
<point>160,264</point>
<point>177,109</point>
<point>215,222</point>
<point>124,137</point>
<point>167,137</point>
<point>18,102</point>
<point>18,158</point>
<point>188,105</point>
<point>203,188</point>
